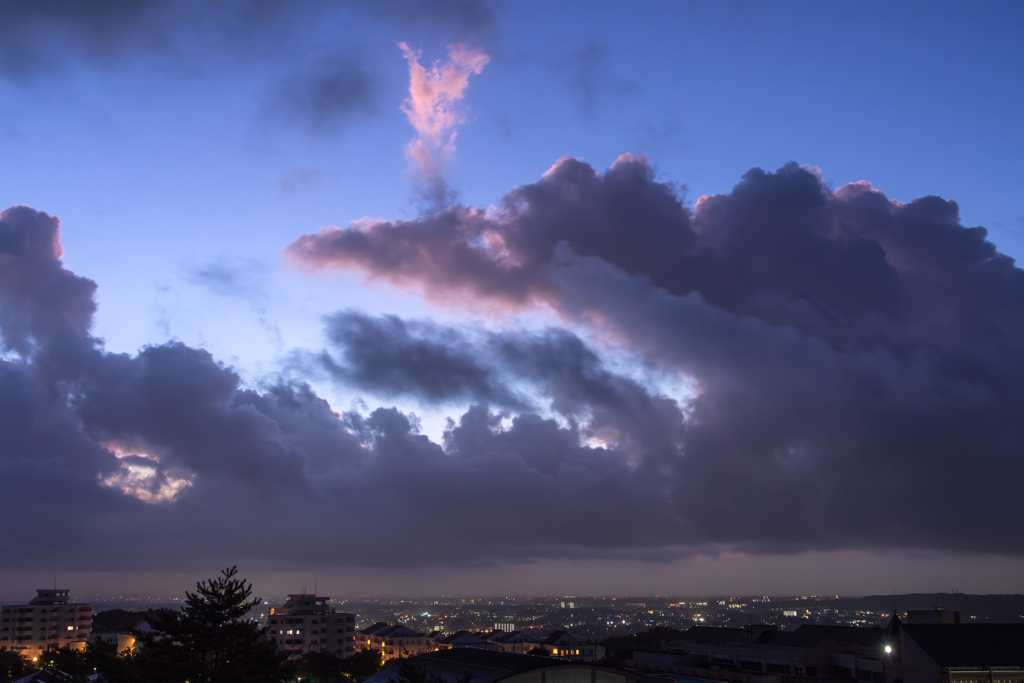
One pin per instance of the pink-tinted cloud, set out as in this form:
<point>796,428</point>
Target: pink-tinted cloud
<point>432,108</point>
<point>846,349</point>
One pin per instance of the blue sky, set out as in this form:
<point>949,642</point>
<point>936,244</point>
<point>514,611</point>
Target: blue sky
<point>155,172</point>
<point>184,154</point>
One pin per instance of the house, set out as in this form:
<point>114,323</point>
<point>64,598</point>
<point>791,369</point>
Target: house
<point>122,640</point>
<point>393,641</point>
<point>518,642</point>
<point>461,639</point>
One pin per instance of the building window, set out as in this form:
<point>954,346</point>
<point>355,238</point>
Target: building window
<point>750,666</point>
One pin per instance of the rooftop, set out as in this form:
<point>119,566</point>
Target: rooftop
<point>954,645</point>
<point>709,634</point>
<point>848,635</point>
<point>803,640</point>
<point>489,666</point>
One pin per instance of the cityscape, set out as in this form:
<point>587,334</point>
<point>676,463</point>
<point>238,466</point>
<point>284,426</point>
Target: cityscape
<point>815,638</point>
<point>478,341</point>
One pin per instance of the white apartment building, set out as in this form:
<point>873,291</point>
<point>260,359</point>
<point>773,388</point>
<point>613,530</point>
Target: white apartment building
<point>307,623</point>
<point>393,640</point>
<point>46,621</point>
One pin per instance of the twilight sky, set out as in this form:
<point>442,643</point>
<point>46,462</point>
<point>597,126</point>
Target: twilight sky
<point>458,296</point>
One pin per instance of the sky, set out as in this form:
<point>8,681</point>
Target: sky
<point>446,296</point>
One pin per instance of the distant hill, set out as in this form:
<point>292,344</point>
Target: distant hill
<point>993,608</point>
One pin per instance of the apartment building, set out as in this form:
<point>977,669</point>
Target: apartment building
<point>308,623</point>
<point>48,620</point>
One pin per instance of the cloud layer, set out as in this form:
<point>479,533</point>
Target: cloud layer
<point>855,358</point>
<point>163,460</point>
<point>854,365</point>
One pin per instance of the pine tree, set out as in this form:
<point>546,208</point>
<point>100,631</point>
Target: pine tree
<point>209,640</point>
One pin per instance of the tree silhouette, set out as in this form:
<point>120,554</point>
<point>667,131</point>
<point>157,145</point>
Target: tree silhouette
<point>13,665</point>
<point>209,640</point>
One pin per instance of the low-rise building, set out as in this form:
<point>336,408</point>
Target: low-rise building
<point>393,640</point>
<point>308,623</point>
<point>518,642</point>
<point>123,640</point>
<point>460,639</point>
<point>47,621</point>
<point>564,645</point>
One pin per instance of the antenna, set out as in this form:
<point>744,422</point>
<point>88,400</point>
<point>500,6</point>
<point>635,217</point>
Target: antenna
<point>894,602</point>
<point>314,586</point>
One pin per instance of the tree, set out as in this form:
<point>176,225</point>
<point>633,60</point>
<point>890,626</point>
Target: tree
<point>321,667</point>
<point>114,666</point>
<point>209,640</point>
<point>13,665</point>
<point>363,664</point>
<point>66,660</point>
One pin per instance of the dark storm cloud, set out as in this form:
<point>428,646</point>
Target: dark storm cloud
<point>40,302</point>
<point>855,359</point>
<point>392,357</point>
<point>855,363</point>
<point>622,217</point>
<point>163,459</point>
